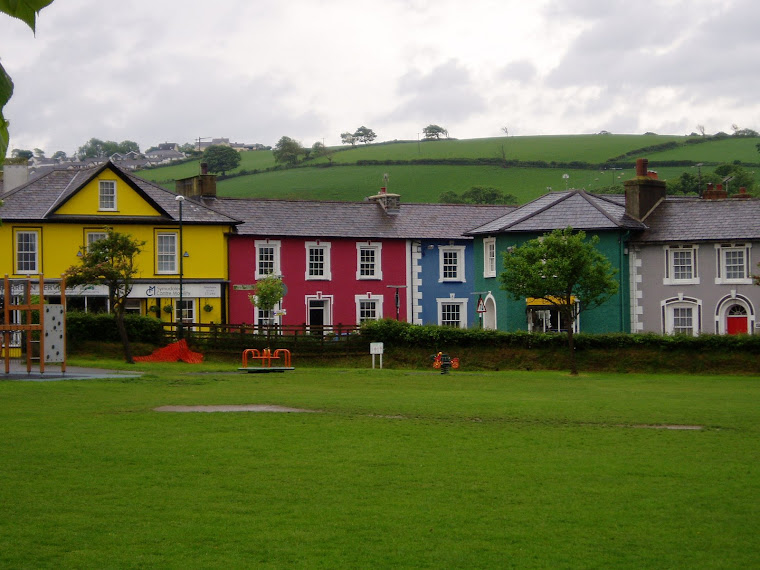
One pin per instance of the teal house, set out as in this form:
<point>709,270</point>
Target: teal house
<point>601,215</point>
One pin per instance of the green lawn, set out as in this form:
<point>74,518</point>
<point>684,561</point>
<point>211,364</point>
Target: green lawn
<point>402,469</point>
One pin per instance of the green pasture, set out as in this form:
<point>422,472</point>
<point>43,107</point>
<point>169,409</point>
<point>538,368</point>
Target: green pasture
<point>559,148</point>
<point>393,469</point>
<point>418,183</point>
<point>422,183</point>
<point>716,152</point>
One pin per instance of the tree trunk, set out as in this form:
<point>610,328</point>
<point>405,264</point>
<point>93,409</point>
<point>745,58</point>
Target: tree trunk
<point>571,347</point>
<point>124,339</point>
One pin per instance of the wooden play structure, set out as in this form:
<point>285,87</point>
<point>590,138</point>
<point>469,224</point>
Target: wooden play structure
<point>265,358</point>
<point>17,327</point>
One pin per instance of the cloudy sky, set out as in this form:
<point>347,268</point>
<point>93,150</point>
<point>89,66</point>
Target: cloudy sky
<point>255,70</point>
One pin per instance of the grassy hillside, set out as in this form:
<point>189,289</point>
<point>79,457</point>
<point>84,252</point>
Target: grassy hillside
<point>415,183</point>
<point>346,180</point>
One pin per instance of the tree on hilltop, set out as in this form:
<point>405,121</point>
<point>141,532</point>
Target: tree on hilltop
<point>365,134</point>
<point>434,132</point>
<point>348,138</point>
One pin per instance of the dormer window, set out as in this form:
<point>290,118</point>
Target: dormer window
<point>107,195</point>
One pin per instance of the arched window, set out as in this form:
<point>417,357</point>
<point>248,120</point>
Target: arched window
<point>681,315</point>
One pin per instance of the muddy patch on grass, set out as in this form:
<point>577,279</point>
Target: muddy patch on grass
<point>667,426</point>
<point>235,408</point>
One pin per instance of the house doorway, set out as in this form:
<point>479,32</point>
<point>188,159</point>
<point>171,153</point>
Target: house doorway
<point>318,313</point>
<point>737,321</point>
<point>489,317</point>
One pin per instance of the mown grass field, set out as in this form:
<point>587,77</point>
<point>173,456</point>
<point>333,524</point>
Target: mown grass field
<point>403,469</point>
<point>424,183</point>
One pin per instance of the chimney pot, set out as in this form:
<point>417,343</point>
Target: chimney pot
<point>641,166</point>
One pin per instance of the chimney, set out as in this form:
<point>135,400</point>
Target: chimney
<point>714,193</point>
<point>742,195</point>
<point>15,173</point>
<point>197,187</point>
<point>390,203</point>
<point>644,193</point>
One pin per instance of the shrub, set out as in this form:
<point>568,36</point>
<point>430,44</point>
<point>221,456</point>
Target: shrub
<point>102,327</point>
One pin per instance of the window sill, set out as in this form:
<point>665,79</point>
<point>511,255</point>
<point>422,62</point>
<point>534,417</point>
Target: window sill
<point>681,281</point>
<point>733,281</point>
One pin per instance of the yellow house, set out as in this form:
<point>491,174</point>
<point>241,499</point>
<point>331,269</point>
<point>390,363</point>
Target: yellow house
<point>46,222</point>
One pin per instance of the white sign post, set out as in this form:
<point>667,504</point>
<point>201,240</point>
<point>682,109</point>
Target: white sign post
<point>376,348</point>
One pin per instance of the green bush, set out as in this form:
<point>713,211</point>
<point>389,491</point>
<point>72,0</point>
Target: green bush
<point>396,333</point>
<point>102,327</point>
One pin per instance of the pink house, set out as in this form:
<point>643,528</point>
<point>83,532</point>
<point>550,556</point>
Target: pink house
<point>342,262</point>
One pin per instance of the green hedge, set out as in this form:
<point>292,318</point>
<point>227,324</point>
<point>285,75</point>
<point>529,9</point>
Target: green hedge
<point>102,327</point>
<point>396,333</point>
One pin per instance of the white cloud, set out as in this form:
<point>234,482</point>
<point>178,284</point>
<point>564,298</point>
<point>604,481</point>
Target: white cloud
<point>254,71</point>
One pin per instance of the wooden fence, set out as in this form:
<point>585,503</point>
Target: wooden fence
<point>299,339</point>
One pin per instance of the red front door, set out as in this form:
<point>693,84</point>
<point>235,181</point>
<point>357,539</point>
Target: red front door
<point>736,325</point>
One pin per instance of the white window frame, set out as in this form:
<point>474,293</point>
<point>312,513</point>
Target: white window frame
<point>107,196</point>
<point>325,247</point>
<point>261,317</point>
<point>668,307</point>
<point>91,237</point>
<point>441,302</point>
<point>368,297</point>
<point>670,279</point>
<point>489,257</point>
<point>159,262</point>
<point>377,272</point>
<point>275,246</point>
<point>721,253</point>
<point>186,313</point>
<point>459,251</point>
<point>34,252</point>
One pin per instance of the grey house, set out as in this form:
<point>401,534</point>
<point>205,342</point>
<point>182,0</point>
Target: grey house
<point>691,269</point>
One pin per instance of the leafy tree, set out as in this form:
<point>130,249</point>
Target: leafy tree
<point>221,158</point>
<point>434,132</point>
<point>487,195</point>
<point>59,155</point>
<point>319,150</point>
<point>22,153</point>
<point>39,153</point>
<point>268,292</point>
<point>128,146</point>
<point>740,177</point>
<point>478,195</point>
<point>450,197</point>
<point>560,268</point>
<point>365,135</point>
<point>287,150</point>
<point>25,11</point>
<point>348,138</point>
<point>110,261</point>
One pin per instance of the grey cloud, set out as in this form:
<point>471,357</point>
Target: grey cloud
<point>447,93</point>
<point>522,70</point>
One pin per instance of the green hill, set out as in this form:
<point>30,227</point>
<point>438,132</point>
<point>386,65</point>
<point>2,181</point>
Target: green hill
<point>420,171</point>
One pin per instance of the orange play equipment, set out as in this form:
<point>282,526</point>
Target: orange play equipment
<point>172,353</point>
<point>444,362</point>
<point>265,358</point>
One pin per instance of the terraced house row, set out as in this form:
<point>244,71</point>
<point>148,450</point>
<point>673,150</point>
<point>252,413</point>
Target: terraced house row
<point>684,264</point>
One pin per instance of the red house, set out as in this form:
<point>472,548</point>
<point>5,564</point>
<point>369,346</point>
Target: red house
<point>342,262</point>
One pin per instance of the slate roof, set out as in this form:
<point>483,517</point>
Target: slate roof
<point>38,200</point>
<point>556,210</point>
<point>694,219</point>
<point>356,219</point>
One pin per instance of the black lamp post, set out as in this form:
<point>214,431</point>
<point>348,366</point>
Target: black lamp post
<point>180,334</point>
